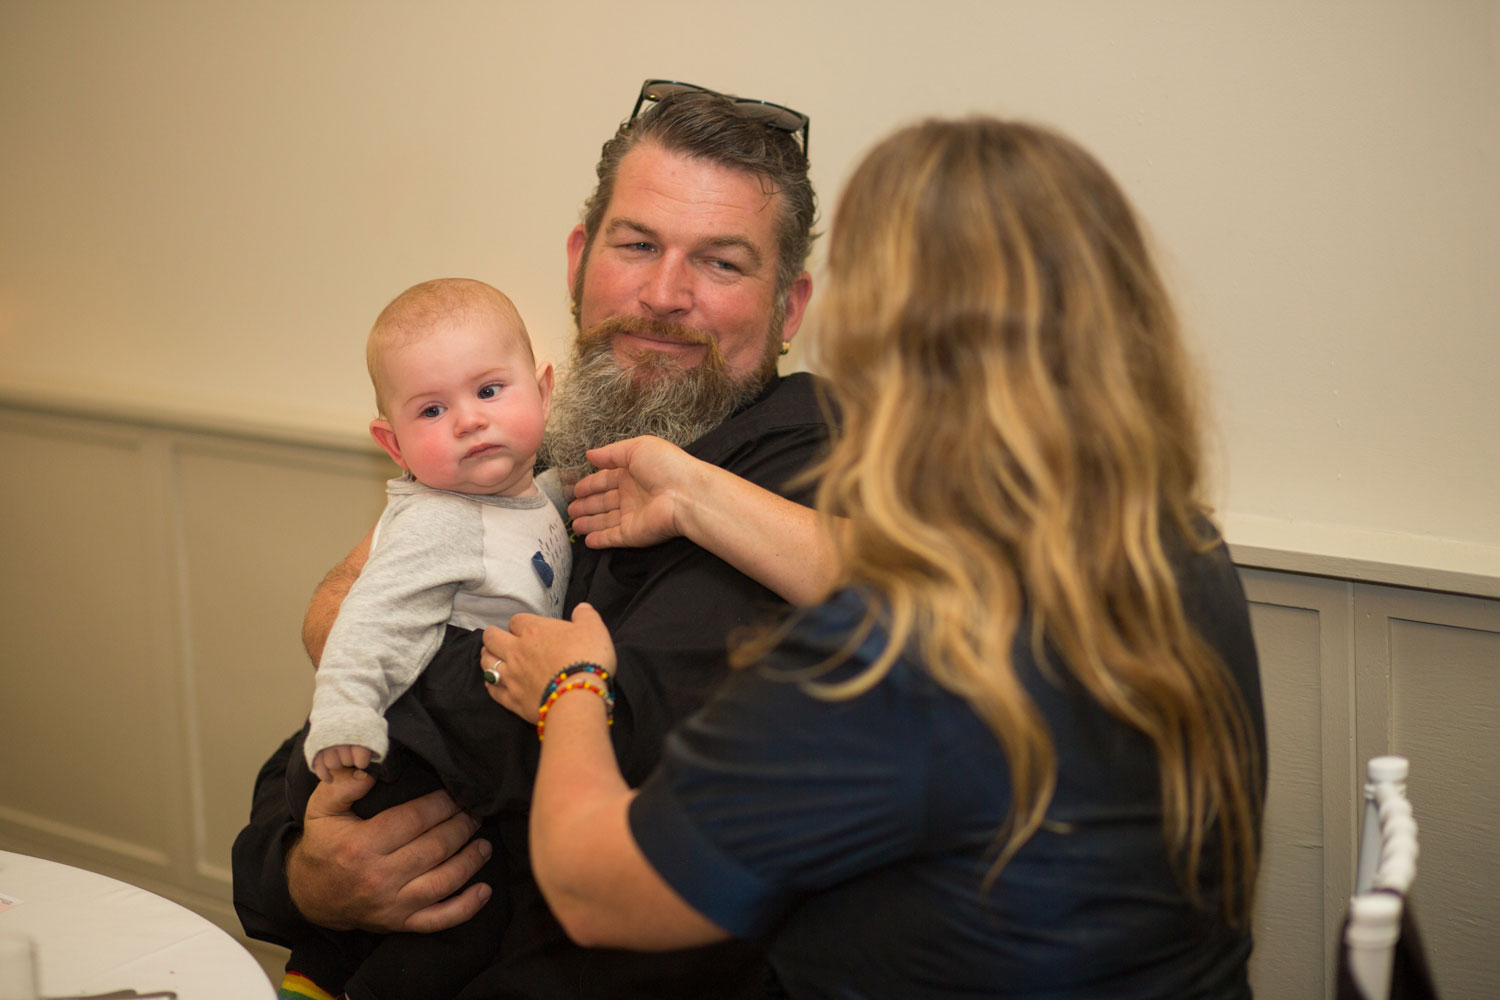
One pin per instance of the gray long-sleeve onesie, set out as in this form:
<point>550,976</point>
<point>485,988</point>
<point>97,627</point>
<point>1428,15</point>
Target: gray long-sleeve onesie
<point>437,558</point>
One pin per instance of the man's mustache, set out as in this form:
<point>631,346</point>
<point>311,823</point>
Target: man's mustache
<point>656,329</point>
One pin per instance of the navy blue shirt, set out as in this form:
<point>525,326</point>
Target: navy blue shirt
<point>855,835</point>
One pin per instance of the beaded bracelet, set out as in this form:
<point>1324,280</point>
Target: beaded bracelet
<point>581,667</point>
<point>585,685</point>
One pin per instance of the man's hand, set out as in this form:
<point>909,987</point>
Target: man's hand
<point>397,871</point>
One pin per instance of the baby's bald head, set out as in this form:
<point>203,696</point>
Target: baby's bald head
<point>430,306</point>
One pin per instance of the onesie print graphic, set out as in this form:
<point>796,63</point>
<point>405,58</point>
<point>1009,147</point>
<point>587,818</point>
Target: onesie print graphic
<point>543,570</point>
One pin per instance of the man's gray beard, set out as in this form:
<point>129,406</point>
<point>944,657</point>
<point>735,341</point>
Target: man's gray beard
<point>598,401</point>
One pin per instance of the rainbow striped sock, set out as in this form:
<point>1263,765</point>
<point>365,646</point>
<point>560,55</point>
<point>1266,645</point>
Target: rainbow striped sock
<point>296,986</point>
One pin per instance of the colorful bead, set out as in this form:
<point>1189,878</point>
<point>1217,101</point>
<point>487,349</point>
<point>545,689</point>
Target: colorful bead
<point>602,691</point>
<point>581,667</point>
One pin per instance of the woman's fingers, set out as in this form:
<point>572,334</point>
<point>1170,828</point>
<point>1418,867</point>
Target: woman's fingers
<point>613,456</point>
<point>595,483</point>
<point>532,650</point>
<point>584,614</point>
<point>598,503</point>
<point>492,657</point>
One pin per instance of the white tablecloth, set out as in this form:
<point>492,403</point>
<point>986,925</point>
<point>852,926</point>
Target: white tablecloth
<point>96,935</point>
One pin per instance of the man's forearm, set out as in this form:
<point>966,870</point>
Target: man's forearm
<point>329,597</point>
<point>261,898</point>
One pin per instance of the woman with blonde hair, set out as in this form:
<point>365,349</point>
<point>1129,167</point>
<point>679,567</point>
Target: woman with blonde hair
<point>1012,743</point>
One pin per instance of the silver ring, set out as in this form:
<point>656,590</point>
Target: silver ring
<point>492,675</point>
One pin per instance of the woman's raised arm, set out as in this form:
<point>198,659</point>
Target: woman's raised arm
<point>648,491</point>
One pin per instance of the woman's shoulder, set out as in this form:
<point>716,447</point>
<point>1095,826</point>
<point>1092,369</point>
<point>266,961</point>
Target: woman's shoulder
<point>839,639</point>
<point>1207,578</point>
<point>850,605</point>
<point>832,623</point>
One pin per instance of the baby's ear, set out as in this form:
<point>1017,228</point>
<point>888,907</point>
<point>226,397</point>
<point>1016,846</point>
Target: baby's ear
<point>385,436</point>
<point>544,384</point>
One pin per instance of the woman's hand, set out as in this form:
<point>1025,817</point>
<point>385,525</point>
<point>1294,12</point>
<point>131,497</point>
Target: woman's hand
<point>647,491</point>
<point>640,496</point>
<point>531,653</point>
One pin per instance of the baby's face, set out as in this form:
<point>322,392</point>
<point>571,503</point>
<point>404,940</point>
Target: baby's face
<point>467,407</point>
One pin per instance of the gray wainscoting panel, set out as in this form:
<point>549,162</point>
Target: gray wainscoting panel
<point>258,526</point>
<point>152,584</point>
<point>89,726</point>
<point>1430,688</point>
<point>1303,632</point>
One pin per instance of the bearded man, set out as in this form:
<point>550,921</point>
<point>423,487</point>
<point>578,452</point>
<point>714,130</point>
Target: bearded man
<point>688,280</point>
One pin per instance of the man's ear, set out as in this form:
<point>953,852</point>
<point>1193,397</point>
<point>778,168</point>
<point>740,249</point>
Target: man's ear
<point>577,241</point>
<point>796,304</point>
<point>544,382</point>
<point>385,436</point>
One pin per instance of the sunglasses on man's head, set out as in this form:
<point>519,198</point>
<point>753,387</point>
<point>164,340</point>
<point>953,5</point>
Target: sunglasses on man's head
<point>776,116</point>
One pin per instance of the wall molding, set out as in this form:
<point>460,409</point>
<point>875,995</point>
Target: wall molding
<point>1345,552</point>
<point>29,826</point>
<point>1363,555</point>
<point>344,432</point>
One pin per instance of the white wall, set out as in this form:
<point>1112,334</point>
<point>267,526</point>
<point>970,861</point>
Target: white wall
<point>202,206</point>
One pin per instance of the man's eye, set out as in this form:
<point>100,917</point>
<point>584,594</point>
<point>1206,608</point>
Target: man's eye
<point>728,267</point>
<point>432,411</point>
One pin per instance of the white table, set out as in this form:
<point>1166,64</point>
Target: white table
<point>95,935</point>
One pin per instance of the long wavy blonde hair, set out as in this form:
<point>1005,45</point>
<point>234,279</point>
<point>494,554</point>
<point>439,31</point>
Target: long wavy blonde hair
<point>1019,436</point>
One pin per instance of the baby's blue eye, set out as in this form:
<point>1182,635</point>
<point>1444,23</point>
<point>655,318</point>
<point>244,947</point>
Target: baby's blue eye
<point>432,411</point>
<point>489,391</point>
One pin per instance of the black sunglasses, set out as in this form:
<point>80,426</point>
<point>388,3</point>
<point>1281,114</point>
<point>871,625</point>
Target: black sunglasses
<point>776,116</point>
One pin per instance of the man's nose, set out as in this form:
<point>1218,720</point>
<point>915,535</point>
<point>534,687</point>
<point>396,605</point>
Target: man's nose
<point>668,288</point>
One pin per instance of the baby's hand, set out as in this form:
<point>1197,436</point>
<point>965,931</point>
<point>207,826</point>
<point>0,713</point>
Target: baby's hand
<point>343,755</point>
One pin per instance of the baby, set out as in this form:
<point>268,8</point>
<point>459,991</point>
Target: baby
<point>466,540</point>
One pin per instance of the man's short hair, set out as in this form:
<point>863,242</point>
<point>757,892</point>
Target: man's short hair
<point>707,126</point>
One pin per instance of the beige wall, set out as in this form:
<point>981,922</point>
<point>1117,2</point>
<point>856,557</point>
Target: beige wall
<point>204,205</point>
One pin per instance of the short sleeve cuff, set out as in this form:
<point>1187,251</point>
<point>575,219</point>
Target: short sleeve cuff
<point>712,882</point>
